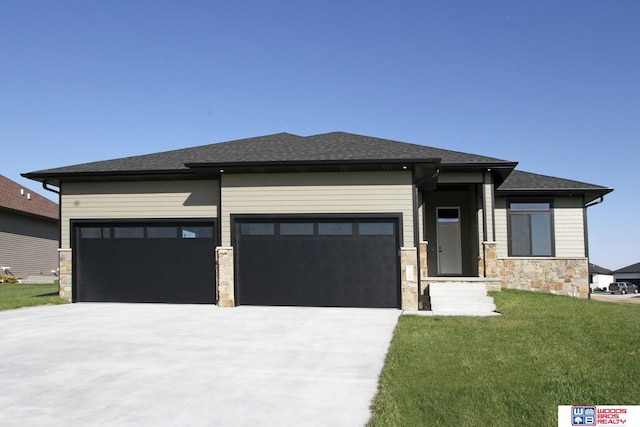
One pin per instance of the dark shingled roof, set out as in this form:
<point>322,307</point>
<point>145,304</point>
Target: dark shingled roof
<point>596,269</point>
<point>281,147</point>
<point>525,181</point>
<point>25,201</point>
<point>634,268</point>
<point>284,150</point>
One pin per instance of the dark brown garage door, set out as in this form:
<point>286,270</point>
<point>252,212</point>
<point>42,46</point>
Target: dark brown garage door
<point>318,262</point>
<point>169,262</point>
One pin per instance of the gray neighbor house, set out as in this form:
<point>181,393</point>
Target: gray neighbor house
<point>29,233</point>
<point>335,219</point>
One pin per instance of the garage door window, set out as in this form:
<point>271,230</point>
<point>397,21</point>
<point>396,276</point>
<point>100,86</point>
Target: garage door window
<point>257,229</point>
<point>296,229</point>
<point>95,233</point>
<point>335,229</point>
<point>128,232</point>
<point>193,232</point>
<point>376,229</point>
<point>162,232</point>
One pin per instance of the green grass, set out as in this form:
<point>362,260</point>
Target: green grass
<point>17,295</point>
<point>512,370</point>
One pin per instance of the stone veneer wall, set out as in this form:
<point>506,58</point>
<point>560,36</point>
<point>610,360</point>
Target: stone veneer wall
<point>65,275</point>
<point>562,276</point>
<point>224,277</point>
<point>409,278</point>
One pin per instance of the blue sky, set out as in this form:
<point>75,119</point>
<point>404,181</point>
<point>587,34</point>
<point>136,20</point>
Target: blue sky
<point>552,85</point>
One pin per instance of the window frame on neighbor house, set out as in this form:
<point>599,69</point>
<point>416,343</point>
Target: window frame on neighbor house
<point>533,222</point>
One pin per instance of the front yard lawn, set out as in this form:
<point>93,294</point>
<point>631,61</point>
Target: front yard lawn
<point>17,295</point>
<point>512,370</point>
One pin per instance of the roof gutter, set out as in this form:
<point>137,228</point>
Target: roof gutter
<point>45,186</point>
<point>597,202</point>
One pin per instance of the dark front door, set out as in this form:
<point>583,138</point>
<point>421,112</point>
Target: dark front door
<point>318,262</point>
<point>171,262</point>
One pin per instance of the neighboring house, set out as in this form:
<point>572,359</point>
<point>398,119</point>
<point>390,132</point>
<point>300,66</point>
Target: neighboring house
<point>630,273</point>
<point>599,277</point>
<point>327,220</point>
<point>29,232</point>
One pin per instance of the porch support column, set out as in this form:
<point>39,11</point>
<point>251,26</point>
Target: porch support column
<point>490,260</point>
<point>225,283</point>
<point>409,277</point>
<point>488,222</point>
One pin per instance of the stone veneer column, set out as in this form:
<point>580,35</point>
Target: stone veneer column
<point>490,260</point>
<point>424,265</point>
<point>65,273</point>
<point>224,277</point>
<point>409,278</point>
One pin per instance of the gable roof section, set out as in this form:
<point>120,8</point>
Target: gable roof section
<point>15,200</point>
<point>596,269</point>
<point>527,183</point>
<point>272,150</point>
<point>633,268</point>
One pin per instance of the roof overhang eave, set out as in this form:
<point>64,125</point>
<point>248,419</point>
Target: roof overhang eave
<point>590,194</point>
<point>55,178</point>
<point>344,165</point>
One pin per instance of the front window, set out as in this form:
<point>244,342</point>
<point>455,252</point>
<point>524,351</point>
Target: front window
<point>530,229</point>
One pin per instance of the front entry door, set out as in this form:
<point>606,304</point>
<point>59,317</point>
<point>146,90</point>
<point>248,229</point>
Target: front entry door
<point>449,242</point>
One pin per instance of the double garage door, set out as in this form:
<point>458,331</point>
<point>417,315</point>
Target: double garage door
<point>343,262</point>
<point>171,262</point>
<point>317,262</point>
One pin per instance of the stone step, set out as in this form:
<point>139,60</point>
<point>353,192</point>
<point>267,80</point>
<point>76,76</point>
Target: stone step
<point>451,305</point>
<point>457,289</point>
<point>454,298</point>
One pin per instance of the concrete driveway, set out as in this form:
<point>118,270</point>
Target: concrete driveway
<point>190,365</point>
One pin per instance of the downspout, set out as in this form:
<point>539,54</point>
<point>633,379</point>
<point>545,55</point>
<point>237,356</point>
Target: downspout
<point>586,237</point>
<point>45,185</point>
<point>416,232</point>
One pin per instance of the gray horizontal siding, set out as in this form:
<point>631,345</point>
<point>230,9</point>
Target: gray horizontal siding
<point>28,245</point>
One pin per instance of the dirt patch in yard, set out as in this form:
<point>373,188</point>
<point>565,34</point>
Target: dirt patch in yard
<point>631,300</point>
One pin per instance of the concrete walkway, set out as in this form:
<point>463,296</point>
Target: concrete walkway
<point>190,365</point>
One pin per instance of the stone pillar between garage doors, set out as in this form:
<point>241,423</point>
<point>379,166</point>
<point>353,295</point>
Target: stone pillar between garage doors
<point>409,278</point>
<point>225,283</point>
<point>65,266</point>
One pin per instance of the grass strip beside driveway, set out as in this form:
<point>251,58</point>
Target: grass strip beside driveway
<point>18,295</point>
<point>544,351</point>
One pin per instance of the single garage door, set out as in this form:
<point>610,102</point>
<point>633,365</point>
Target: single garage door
<point>320,262</point>
<point>170,262</point>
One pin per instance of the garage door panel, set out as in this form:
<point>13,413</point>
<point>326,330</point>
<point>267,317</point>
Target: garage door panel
<point>321,270</point>
<point>120,266</point>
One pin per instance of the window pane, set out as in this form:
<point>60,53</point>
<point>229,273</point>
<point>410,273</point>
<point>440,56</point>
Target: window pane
<point>296,229</point>
<point>541,234</point>
<point>128,232</point>
<point>197,232</point>
<point>95,233</point>
<point>537,206</point>
<point>448,215</point>
<point>335,228</point>
<point>162,232</point>
<point>257,229</point>
<point>376,229</point>
<point>520,238</point>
